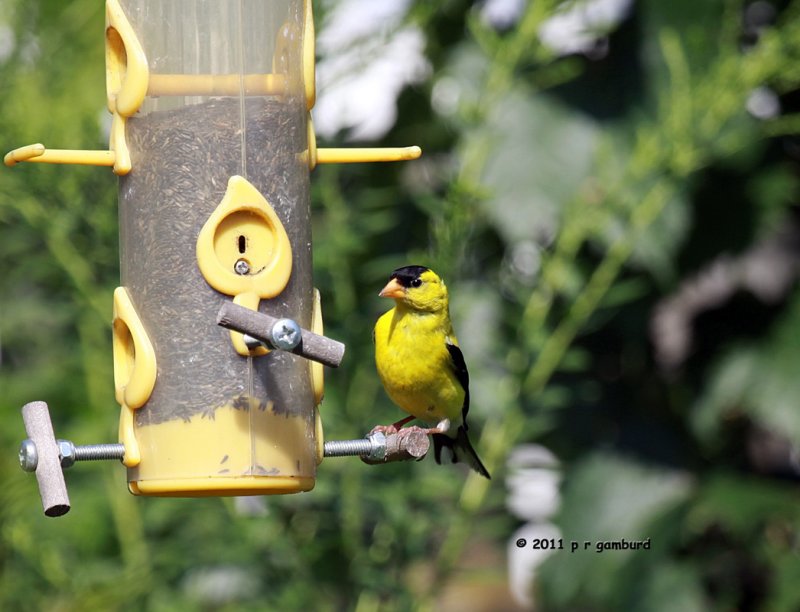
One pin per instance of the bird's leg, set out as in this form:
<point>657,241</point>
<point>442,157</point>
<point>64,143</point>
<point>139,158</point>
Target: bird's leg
<point>394,428</point>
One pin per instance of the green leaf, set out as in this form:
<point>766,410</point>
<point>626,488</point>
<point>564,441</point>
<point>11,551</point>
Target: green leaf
<point>741,506</point>
<point>786,587</point>
<point>670,587</point>
<point>759,380</point>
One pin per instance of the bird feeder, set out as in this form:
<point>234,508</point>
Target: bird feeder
<point>212,140</point>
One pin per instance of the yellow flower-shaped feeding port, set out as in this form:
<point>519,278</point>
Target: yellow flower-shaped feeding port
<point>243,250</point>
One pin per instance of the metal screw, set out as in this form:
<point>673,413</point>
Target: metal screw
<point>241,267</point>
<point>69,453</point>
<point>372,447</point>
<point>286,334</point>
<point>28,457</point>
<point>89,452</point>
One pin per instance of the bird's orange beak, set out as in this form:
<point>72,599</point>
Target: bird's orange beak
<point>393,289</point>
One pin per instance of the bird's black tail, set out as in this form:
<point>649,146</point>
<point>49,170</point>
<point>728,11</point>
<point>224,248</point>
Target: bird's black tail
<point>460,450</point>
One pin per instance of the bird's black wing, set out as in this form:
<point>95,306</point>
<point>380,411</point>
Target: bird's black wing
<point>460,370</point>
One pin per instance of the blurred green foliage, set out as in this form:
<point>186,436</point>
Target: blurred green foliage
<point>565,200</point>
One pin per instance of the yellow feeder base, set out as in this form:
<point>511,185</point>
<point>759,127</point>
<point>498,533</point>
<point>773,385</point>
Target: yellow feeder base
<point>250,450</point>
<point>208,487</point>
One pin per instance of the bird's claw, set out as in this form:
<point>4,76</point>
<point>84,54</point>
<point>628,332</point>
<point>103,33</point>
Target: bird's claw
<point>390,430</point>
<point>426,430</point>
<point>397,428</point>
<point>386,430</point>
<point>410,429</point>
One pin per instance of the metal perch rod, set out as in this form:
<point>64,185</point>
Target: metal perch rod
<point>380,448</point>
<point>262,327</point>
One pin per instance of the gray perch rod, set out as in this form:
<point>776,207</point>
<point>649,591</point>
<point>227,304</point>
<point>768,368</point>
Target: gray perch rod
<point>52,487</point>
<point>260,325</point>
<point>377,447</point>
<point>410,445</point>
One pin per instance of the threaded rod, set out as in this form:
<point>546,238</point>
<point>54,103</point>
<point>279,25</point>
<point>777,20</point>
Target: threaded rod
<point>348,448</point>
<point>99,452</point>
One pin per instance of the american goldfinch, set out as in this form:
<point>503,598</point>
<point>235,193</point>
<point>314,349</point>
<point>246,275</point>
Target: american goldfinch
<point>420,364</point>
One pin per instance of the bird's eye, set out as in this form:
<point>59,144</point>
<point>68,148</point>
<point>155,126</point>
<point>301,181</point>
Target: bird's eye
<point>416,282</point>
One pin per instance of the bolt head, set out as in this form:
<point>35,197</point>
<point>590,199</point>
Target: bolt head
<point>286,334</point>
<point>67,451</point>
<point>241,267</point>
<point>28,457</point>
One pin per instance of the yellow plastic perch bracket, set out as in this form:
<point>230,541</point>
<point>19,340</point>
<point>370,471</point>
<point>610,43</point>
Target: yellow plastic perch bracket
<point>243,251</point>
<point>38,153</point>
<point>127,76</point>
<point>359,155</point>
<point>314,156</point>
<point>134,370</point>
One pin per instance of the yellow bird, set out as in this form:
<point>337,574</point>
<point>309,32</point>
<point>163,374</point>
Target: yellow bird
<point>420,364</point>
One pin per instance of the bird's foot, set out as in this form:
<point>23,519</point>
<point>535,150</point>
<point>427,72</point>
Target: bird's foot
<point>390,430</point>
<point>441,428</point>
<point>411,429</point>
<point>386,430</point>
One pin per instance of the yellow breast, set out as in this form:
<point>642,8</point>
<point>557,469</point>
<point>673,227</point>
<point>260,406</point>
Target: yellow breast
<point>415,366</point>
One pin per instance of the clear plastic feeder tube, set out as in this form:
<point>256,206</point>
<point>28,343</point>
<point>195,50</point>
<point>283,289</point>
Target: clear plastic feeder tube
<point>225,99</point>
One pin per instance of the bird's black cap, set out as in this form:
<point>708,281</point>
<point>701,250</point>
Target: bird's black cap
<point>406,274</point>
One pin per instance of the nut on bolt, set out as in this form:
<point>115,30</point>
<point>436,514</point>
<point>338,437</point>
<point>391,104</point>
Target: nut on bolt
<point>372,448</point>
<point>378,450</point>
<point>67,451</point>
